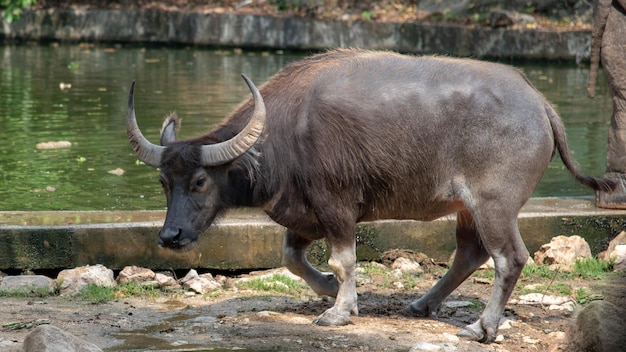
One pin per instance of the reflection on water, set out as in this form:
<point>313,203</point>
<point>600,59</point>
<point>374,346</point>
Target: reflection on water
<point>37,105</point>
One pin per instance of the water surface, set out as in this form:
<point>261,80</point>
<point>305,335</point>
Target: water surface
<point>202,86</point>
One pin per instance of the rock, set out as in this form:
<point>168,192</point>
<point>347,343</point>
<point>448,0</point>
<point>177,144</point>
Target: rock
<point>547,300</point>
<point>503,18</point>
<point>135,274</point>
<point>529,340</point>
<point>618,255</point>
<point>199,283</point>
<point>599,327</point>
<point>619,239</point>
<point>562,252</point>
<point>53,145</point>
<point>27,283</point>
<point>49,338</point>
<point>165,281</point>
<point>426,346</point>
<point>71,281</point>
<point>457,304</point>
<point>407,266</point>
<point>117,172</point>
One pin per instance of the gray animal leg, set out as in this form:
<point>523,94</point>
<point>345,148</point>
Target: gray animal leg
<point>470,254</point>
<point>294,259</point>
<point>343,262</point>
<point>501,238</point>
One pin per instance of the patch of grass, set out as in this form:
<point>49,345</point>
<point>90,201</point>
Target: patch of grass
<point>276,283</point>
<point>592,268</point>
<point>37,292</point>
<point>96,293</point>
<point>589,268</point>
<point>534,271</point>
<point>370,269</point>
<point>556,288</point>
<point>477,304</point>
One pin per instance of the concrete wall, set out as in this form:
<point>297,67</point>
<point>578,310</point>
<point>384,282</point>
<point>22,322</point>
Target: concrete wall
<point>250,31</point>
<point>247,239</point>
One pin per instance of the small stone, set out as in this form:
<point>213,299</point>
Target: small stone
<point>566,307</point>
<point>135,274</point>
<point>53,145</point>
<point>450,337</point>
<point>457,304</point>
<point>426,346</point>
<point>165,281</point>
<point>407,266</point>
<point>538,298</point>
<point>557,335</point>
<point>529,340</point>
<point>499,339</point>
<point>117,172</point>
<point>200,283</point>
<point>505,325</point>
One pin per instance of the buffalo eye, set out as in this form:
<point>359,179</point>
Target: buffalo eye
<point>200,182</point>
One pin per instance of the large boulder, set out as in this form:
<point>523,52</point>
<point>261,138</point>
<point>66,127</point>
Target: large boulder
<point>618,255</point>
<point>21,283</point>
<point>49,338</point>
<point>71,281</point>
<point>562,252</point>
<point>600,327</point>
<point>135,274</point>
<point>620,239</point>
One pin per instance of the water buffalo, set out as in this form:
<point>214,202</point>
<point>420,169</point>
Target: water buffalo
<point>350,135</point>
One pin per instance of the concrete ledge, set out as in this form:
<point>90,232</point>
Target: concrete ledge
<point>253,31</point>
<point>247,239</point>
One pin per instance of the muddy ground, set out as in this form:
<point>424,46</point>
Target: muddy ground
<point>236,318</point>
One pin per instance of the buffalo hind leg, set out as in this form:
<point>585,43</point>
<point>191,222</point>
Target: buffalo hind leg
<point>294,259</point>
<point>501,238</point>
<point>470,255</point>
<point>343,262</point>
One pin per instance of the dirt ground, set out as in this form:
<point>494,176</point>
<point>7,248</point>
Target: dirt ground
<point>234,318</point>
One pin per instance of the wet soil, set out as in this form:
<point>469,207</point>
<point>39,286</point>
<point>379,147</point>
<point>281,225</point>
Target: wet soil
<point>233,318</point>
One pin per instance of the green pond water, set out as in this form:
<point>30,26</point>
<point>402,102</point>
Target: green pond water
<point>202,86</point>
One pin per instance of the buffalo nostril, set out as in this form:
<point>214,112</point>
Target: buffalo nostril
<point>170,237</point>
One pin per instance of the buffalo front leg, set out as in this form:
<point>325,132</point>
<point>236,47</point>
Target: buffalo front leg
<point>294,259</point>
<point>342,262</point>
<point>470,254</point>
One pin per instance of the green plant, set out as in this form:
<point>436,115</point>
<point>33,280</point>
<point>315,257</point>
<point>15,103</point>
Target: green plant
<point>592,268</point>
<point>367,15</point>
<point>476,304</point>
<point>276,283</point>
<point>584,296</point>
<point>27,292</point>
<point>12,9</point>
<point>549,289</point>
<point>538,271</point>
<point>96,293</point>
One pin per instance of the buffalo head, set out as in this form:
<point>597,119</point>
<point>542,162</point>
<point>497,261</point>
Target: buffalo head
<point>196,176</point>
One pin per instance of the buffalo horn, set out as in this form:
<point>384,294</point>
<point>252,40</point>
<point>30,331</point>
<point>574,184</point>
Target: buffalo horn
<point>221,153</point>
<point>147,152</point>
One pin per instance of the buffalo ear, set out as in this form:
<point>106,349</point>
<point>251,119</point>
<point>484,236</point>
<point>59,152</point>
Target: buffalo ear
<point>170,129</point>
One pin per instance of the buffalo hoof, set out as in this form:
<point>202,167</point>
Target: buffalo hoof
<point>475,332</point>
<point>416,310</point>
<point>332,317</point>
